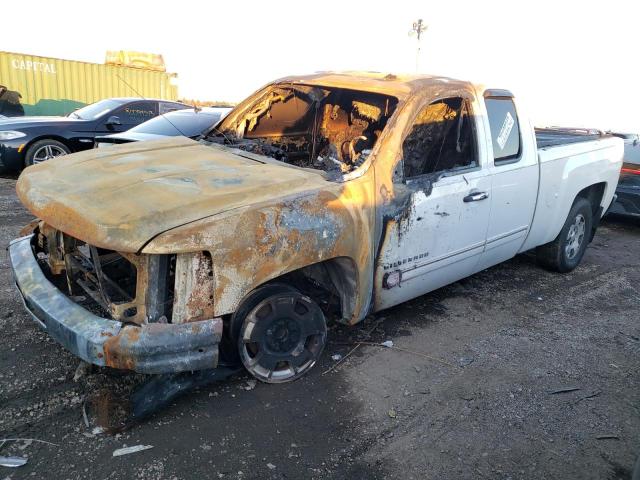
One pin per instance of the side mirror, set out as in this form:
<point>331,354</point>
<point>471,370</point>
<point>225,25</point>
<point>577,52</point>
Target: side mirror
<point>113,121</point>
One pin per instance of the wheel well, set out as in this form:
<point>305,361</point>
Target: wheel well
<point>331,283</point>
<point>593,193</point>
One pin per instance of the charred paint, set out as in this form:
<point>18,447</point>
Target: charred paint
<point>256,217</point>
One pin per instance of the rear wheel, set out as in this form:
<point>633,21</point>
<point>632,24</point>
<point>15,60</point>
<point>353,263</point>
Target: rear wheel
<point>44,150</point>
<point>282,336</point>
<point>566,251</point>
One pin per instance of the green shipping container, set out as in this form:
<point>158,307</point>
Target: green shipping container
<point>51,86</point>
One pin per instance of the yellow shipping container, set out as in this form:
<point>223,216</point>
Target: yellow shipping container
<point>51,86</point>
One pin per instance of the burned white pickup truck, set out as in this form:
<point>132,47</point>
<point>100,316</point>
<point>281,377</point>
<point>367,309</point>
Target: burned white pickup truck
<point>320,197</point>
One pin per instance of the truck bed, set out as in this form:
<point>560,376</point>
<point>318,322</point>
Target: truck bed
<point>554,136</point>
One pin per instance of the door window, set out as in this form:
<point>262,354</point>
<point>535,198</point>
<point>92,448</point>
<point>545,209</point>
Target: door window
<point>441,140</point>
<point>136,113</point>
<point>505,130</point>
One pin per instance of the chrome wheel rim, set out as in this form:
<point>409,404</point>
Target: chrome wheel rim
<point>575,237</point>
<point>282,338</point>
<point>47,152</point>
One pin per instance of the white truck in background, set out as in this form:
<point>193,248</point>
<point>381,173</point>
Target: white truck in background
<point>332,195</point>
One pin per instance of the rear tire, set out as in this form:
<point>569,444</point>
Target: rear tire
<point>566,251</point>
<point>44,150</point>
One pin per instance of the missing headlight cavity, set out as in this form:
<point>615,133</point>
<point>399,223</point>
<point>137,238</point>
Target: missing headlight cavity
<point>322,128</point>
<point>193,289</point>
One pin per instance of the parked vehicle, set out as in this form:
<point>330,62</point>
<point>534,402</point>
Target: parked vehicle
<point>26,141</point>
<point>189,122</point>
<point>627,201</point>
<point>327,196</point>
<point>631,146</point>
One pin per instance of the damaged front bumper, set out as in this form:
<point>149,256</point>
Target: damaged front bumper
<point>149,348</point>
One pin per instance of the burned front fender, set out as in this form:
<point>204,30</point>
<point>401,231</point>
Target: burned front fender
<point>258,243</point>
<point>148,348</point>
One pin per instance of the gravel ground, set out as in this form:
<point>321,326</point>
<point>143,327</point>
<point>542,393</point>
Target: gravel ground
<point>474,400</point>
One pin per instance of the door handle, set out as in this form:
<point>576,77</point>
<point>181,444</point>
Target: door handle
<point>475,197</point>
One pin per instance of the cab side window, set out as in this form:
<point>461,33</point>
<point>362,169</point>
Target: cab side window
<point>441,140</point>
<point>505,130</point>
<point>135,113</point>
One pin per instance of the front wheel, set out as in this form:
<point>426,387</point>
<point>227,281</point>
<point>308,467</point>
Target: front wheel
<point>566,251</point>
<point>44,150</point>
<point>282,336</point>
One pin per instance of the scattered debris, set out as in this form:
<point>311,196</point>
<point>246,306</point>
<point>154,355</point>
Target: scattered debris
<point>12,462</point>
<point>336,357</point>
<point>127,450</point>
<point>84,414</point>
<point>392,413</point>
<point>564,390</point>
<point>161,390</point>
<point>3,440</point>
<point>25,444</point>
<point>251,384</point>
<point>97,430</point>
<point>342,359</point>
<point>271,466</point>
<point>464,361</point>
<point>82,369</point>
<point>591,395</point>
<point>387,343</point>
<point>419,354</point>
<point>608,437</point>
<point>417,368</point>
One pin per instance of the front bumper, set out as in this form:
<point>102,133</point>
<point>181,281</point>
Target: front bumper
<point>10,155</point>
<point>149,348</point>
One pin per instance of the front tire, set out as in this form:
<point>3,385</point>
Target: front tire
<point>282,336</point>
<point>44,150</point>
<point>566,251</point>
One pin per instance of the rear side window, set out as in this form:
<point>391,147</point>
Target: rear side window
<point>505,130</point>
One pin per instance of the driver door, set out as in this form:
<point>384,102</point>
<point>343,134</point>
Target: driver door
<point>436,231</point>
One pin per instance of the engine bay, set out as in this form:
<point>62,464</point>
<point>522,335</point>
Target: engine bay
<point>330,129</point>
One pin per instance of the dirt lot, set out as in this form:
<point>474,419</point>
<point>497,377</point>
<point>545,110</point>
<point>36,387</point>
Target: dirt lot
<point>510,336</point>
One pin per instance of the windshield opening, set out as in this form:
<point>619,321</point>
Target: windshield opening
<point>95,110</point>
<point>330,129</point>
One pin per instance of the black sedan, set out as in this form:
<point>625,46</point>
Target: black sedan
<point>189,122</point>
<point>28,140</point>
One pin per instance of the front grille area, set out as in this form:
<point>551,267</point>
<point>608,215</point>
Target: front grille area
<point>126,287</point>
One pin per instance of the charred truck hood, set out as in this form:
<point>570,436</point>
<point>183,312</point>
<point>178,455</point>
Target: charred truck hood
<point>123,197</point>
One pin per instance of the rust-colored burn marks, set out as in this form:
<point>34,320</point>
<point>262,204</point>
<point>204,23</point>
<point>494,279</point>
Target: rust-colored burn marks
<point>157,347</point>
<point>193,291</point>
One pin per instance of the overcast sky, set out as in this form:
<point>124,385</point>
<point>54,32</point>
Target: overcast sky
<point>574,62</point>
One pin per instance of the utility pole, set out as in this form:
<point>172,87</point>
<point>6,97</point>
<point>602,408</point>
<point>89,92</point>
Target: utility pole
<point>417,30</point>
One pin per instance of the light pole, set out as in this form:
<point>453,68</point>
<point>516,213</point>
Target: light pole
<point>417,30</point>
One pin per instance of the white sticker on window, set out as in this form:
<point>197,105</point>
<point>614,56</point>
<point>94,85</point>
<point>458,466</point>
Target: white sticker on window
<point>507,126</point>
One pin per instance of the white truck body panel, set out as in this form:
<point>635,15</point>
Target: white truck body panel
<point>527,202</point>
<point>565,170</point>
